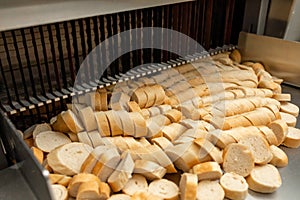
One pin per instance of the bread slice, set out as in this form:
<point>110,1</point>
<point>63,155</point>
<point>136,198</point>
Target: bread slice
<point>118,101</point>
<point>290,120</point>
<point>67,159</point>
<point>258,146</point>
<point>71,121</point>
<point>290,108</point>
<point>119,197</point>
<point>84,138</point>
<point>282,97</point>
<point>220,139</point>
<point>118,179</point>
<point>151,96</point>
<point>188,186</point>
<point>58,124</point>
<point>280,159</point>
<point>133,106</point>
<point>210,190</point>
<point>268,134</point>
<point>144,195</point>
<point>78,179</point>
<point>38,154</point>
<point>173,115</point>
<point>49,140</point>
<point>102,124</point>
<point>106,164</point>
<point>207,170</point>
<point>115,123</point>
<point>149,169</point>
<point>173,131</point>
<point>95,138</point>
<point>59,192</point>
<point>103,99</point>
<point>140,128</point>
<point>159,94</point>
<point>88,190</point>
<point>159,188</point>
<point>140,97</point>
<point>292,139</point>
<point>87,117</point>
<point>127,123</point>
<point>161,158</point>
<point>90,162</point>
<point>136,183</point>
<point>238,159</point>
<point>184,156</point>
<point>40,128</point>
<point>234,185</point>
<point>162,142</point>
<point>93,100</point>
<point>280,129</point>
<point>264,179</point>
<point>209,148</point>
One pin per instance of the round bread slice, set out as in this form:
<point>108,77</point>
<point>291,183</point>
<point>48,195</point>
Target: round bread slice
<point>140,97</point>
<point>87,117</point>
<point>207,170</point>
<point>264,179</point>
<point>280,158</point>
<point>258,146</point>
<point>88,190</point>
<point>49,140</point>
<point>290,120</point>
<point>67,159</point>
<point>115,123</point>
<point>127,123</point>
<point>268,134</point>
<point>71,121</point>
<point>210,190</point>
<point>135,183</point>
<point>188,186</point>
<point>151,170</point>
<point>164,188</point>
<point>280,129</point>
<point>238,158</point>
<point>102,124</point>
<point>234,185</point>
<point>140,128</point>
<point>84,138</point>
<point>78,179</point>
<point>59,192</point>
<point>292,139</point>
<point>290,108</point>
<point>282,97</point>
<point>40,128</point>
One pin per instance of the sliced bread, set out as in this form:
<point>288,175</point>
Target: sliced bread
<point>160,186</point>
<point>49,140</point>
<point>210,190</point>
<point>234,185</point>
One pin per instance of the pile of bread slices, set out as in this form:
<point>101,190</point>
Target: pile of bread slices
<point>207,130</point>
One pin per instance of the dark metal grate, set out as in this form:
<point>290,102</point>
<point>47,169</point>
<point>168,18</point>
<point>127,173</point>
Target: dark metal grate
<point>39,64</point>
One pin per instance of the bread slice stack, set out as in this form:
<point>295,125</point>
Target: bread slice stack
<point>211,128</point>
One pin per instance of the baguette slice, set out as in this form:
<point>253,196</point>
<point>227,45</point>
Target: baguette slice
<point>59,192</point>
<point>115,123</point>
<point>133,106</point>
<point>238,159</point>
<point>87,117</point>
<point>95,138</point>
<point>290,108</point>
<point>71,121</point>
<point>49,140</point>
<point>188,186</point>
<point>234,185</point>
<point>207,170</point>
<point>264,179</point>
<point>127,123</point>
<point>159,188</point>
<point>106,164</point>
<point>162,142</point>
<point>280,129</point>
<point>173,115</point>
<point>149,169</point>
<point>209,148</point>
<point>67,159</point>
<point>40,128</point>
<point>88,190</point>
<point>118,179</point>
<point>282,97</point>
<point>268,134</point>
<point>58,124</point>
<point>140,128</point>
<point>210,190</point>
<point>292,139</point>
<point>78,179</point>
<point>280,158</point>
<point>290,120</point>
<point>102,124</point>
<point>90,162</point>
<point>173,131</point>
<point>220,139</point>
<point>144,195</point>
<point>136,183</point>
<point>84,138</point>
